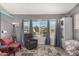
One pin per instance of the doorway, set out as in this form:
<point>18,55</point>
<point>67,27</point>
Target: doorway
<point>39,31</point>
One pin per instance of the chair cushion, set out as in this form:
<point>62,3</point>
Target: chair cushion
<point>3,54</point>
<point>7,40</point>
<point>14,45</point>
<point>71,44</point>
<point>72,47</point>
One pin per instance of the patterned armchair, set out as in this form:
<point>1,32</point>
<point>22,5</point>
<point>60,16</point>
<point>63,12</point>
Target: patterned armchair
<point>3,54</point>
<point>72,47</point>
<point>3,51</point>
<point>13,46</point>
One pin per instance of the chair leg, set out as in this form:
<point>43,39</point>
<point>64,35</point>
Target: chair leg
<point>20,46</point>
<point>14,53</point>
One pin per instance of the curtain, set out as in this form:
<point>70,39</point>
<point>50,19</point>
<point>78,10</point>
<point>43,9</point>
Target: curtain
<point>0,25</point>
<point>31,30</point>
<point>58,42</point>
<point>22,33</point>
<point>14,33</point>
<point>47,41</point>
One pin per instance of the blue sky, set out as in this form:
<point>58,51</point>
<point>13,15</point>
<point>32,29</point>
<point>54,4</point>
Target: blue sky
<point>39,23</point>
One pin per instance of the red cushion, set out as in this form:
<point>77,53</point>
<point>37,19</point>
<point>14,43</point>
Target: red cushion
<point>14,45</point>
<point>3,54</point>
<point>7,41</point>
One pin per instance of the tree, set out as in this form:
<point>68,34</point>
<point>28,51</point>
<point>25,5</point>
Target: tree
<point>36,28</point>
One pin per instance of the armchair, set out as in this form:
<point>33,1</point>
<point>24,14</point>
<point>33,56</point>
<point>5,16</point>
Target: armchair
<point>3,49</point>
<point>3,54</point>
<point>30,43</point>
<point>13,46</point>
<point>72,47</point>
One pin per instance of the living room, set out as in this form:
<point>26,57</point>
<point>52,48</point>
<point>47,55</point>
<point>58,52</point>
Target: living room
<point>39,29</point>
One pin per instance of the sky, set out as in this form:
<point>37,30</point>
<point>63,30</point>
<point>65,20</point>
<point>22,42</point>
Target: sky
<point>41,23</point>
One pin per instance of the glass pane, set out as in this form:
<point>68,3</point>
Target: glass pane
<point>43,28</point>
<point>39,28</point>
<point>26,26</point>
<point>52,31</point>
<point>39,31</point>
<point>36,26</point>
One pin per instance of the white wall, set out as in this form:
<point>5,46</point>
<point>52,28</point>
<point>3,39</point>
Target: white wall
<point>5,22</point>
<point>0,25</point>
<point>68,28</point>
<point>6,26</point>
<point>76,26</point>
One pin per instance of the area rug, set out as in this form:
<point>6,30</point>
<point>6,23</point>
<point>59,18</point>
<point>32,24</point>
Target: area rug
<point>42,50</point>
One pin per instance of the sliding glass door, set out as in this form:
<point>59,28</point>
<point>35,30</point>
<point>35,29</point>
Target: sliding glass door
<point>39,30</point>
<point>35,28</point>
<point>26,26</point>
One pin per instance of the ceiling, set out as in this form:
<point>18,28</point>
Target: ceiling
<point>38,8</point>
